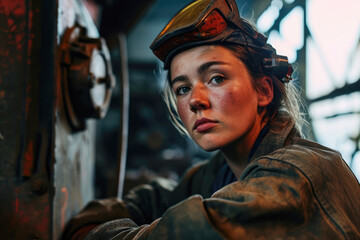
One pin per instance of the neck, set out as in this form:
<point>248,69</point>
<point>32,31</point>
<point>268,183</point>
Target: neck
<point>237,153</point>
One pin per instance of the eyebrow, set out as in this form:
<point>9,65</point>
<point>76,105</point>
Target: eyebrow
<point>207,65</point>
<point>202,68</point>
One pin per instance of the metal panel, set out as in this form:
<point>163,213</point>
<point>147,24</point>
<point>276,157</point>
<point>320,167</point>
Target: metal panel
<point>74,152</point>
<point>46,170</point>
<point>27,69</point>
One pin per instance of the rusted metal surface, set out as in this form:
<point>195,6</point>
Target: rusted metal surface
<point>86,76</point>
<point>46,170</point>
<point>74,152</point>
<point>26,110</point>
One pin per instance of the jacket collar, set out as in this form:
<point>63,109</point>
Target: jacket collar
<point>279,129</point>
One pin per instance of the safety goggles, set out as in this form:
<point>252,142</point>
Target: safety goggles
<point>204,21</point>
<point>211,21</point>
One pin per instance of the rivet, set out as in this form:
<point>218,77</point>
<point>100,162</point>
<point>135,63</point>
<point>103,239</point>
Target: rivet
<point>38,186</point>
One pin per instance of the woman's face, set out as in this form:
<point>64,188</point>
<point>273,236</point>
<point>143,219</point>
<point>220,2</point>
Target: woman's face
<point>216,100</point>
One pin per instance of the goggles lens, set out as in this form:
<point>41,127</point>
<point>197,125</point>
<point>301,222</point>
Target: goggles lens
<point>185,17</point>
<point>195,18</point>
<point>201,20</point>
<point>213,25</point>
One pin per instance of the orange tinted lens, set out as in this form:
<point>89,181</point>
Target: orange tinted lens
<point>213,25</point>
<point>186,17</point>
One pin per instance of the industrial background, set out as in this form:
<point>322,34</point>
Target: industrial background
<point>81,112</point>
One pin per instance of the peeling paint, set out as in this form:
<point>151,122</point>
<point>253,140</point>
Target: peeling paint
<point>28,160</point>
<point>14,24</point>
<point>31,214</point>
<point>30,35</point>
<point>16,7</point>
<point>10,23</point>
<point>23,49</point>
<point>30,19</point>
<point>64,203</point>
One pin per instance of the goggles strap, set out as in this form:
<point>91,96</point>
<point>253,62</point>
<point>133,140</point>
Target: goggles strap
<point>275,64</point>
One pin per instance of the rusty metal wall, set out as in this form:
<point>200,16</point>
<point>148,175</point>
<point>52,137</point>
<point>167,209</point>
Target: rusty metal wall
<point>27,87</point>
<point>46,170</point>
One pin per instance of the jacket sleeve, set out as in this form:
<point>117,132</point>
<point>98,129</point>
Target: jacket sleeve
<point>273,198</point>
<point>154,199</point>
<point>143,204</point>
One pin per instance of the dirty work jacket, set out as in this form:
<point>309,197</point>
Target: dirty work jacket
<point>291,189</point>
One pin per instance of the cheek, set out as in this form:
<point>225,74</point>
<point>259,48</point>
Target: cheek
<point>183,111</point>
<point>235,99</point>
<point>229,98</point>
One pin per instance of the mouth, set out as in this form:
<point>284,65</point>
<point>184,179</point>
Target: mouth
<point>204,124</point>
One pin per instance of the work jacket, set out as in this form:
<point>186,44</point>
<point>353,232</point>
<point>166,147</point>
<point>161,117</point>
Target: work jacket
<point>291,188</point>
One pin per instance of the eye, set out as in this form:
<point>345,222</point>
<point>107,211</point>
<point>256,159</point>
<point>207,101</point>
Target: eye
<point>217,79</point>
<point>182,90</point>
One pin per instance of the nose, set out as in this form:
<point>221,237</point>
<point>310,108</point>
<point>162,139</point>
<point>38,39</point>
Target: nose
<point>198,99</point>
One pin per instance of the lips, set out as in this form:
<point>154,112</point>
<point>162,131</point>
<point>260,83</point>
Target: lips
<point>204,124</point>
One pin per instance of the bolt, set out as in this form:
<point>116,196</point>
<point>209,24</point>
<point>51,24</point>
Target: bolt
<point>91,80</point>
<point>38,186</point>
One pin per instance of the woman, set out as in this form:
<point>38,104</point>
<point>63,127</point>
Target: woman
<point>229,91</point>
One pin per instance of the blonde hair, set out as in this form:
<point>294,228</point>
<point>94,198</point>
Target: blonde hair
<point>286,96</point>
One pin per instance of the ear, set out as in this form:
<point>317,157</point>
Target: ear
<point>265,89</point>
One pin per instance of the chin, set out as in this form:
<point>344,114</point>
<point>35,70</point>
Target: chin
<point>209,147</point>
<point>210,142</point>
